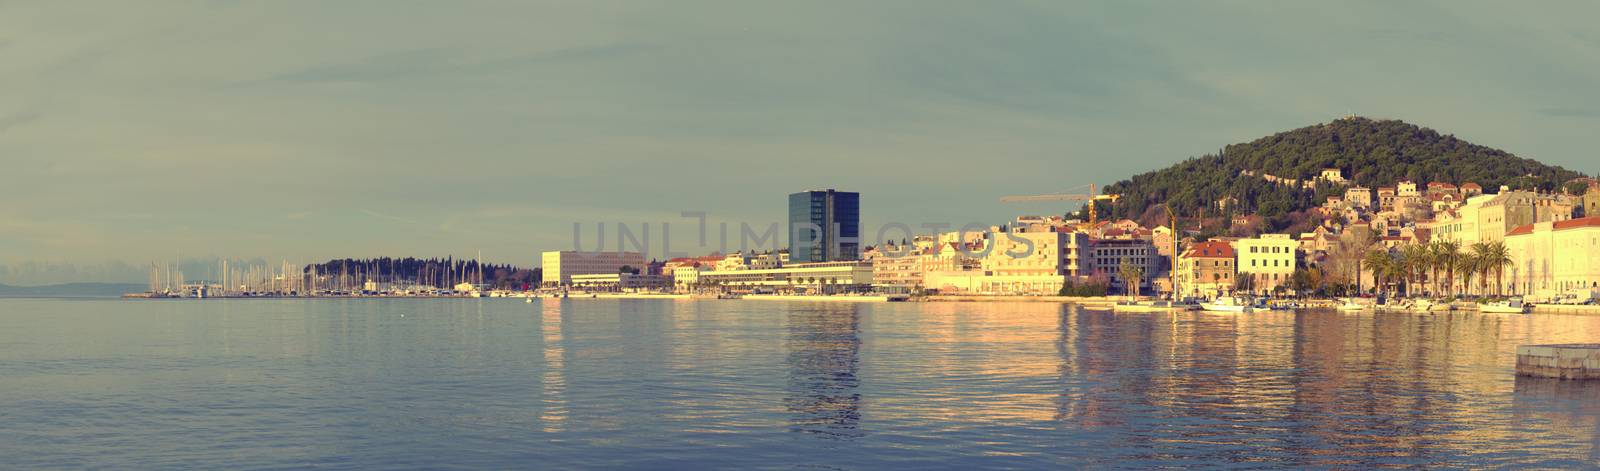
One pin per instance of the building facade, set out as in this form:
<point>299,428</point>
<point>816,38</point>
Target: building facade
<point>816,278</point>
<point>1487,218</point>
<point>1206,269</point>
<point>621,282</point>
<point>1010,263</point>
<point>824,226</point>
<point>1358,197</point>
<point>899,271</point>
<point>560,266</point>
<point>1108,255</point>
<point>687,277</point>
<point>1269,261</point>
<point>1554,257</point>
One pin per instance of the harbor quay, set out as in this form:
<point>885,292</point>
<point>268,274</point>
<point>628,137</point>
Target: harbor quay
<point>1560,361</point>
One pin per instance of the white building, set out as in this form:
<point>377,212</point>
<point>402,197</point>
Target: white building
<point>1268,260</point>
<point>901,270</point>
<point>1406,189</point>
<point>621,282</point>
<point>1554,257</point>
<point>1358,197</point>
<point>822,277</point>
<point>1332,175</point>
<point>1487,218</point>
<point>560,266</point>
<point>1032,263</point>
<point>685,277</point>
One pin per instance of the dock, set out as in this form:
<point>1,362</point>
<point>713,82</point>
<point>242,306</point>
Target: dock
<point>830,298</point>
<point>1562,361</point>
<point>1565,309</point>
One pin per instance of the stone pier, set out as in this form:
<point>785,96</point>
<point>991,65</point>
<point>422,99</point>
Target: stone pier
<point>1565,361</point>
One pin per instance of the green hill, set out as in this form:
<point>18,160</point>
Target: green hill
<point>1371,153</point>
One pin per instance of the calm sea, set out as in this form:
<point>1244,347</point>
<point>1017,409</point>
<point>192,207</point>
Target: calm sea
<point>660,384</point>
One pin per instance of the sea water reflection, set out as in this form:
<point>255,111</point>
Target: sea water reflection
<point>743,384</point>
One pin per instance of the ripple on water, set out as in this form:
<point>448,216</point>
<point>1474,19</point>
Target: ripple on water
<point>745,385</point>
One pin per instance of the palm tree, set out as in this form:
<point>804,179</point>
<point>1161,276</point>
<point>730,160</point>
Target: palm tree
<point>1436,261</point>
<point>1402,271</point>
<point>1483,258</point>
<point>1497,258</point>
<point>1131,276</point>
<point>1467,264</point>
<point>1449,252</point>
<point>1378,262</point>
<point>1413,261</point>
<point>1397,273</point>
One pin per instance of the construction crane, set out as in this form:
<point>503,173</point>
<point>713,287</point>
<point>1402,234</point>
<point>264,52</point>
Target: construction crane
<point>1089,198</point>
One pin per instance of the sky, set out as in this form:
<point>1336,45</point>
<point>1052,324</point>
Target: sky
<point>133,132</point>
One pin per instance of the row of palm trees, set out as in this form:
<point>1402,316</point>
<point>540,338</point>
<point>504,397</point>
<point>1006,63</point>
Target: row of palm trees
<point>1420,266</point>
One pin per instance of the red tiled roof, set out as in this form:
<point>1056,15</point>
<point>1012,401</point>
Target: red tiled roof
<point>1210,249</point>
<point>1592,221</point>
<point>1471,185</point>
<point>1579,223</point>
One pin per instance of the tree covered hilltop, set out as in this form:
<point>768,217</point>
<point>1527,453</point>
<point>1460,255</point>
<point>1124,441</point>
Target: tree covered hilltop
<point>1278,175</point>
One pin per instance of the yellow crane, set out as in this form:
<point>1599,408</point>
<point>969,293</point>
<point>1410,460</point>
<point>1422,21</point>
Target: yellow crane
<point>1088,198</point>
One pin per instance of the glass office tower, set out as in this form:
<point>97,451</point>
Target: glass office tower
<point>824,226</point>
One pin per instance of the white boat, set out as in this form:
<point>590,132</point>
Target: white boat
<point>1350,304</point>
<point>1158,305</point>
<point>1427,305</point>
<point>1227,304</point>
<point>1509,306</point>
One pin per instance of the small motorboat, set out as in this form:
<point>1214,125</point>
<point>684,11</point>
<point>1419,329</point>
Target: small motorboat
<point>1228,304</point>
<point>1427,305</point>
<point>1509,306</point>
<point>1350,304</point>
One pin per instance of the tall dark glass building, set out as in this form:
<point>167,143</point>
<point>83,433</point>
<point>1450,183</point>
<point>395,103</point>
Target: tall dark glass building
<point>824,226</point>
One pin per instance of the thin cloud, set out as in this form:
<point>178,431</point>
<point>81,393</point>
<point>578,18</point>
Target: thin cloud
<point>1571,112</point>
<point>8,123</point>
<point>387,216</point>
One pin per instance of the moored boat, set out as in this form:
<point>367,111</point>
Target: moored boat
<point>1350,304</point>
<point>1157,305</point>
<point>1227,304</point>
<point>1509,306</point>
<point>1427,305</point>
